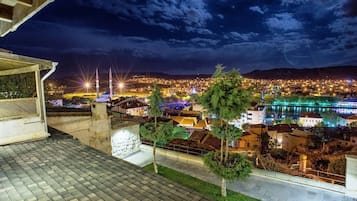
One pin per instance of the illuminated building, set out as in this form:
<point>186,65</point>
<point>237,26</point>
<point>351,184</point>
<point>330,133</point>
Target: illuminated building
<point>309,119</point>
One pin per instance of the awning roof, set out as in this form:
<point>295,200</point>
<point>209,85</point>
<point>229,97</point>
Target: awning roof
<point>15,12</point>
<point>15,64</point>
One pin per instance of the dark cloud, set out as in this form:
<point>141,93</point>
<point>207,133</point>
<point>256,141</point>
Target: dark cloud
<point>189,36</point>
<point>243,36</point>
<point>163,13</point>
<point>256,9</point>
<point>293,2</point>
<point>351,8</point>
<point>284,21</point>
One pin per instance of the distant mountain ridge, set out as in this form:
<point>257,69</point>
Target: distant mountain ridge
<point>338,73</point>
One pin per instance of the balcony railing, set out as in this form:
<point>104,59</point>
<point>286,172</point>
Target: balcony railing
<point>327,176</point>
<point>179,148</point>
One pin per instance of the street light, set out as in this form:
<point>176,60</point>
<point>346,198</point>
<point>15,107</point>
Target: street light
<point>87,85</point>
<point>121,86</point>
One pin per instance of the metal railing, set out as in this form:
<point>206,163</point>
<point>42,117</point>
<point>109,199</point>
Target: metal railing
<point>317,175</point>
<point>178,148</point>
<point>327,176</point>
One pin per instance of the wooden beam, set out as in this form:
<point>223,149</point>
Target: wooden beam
<point>6,12</point>
<point>27,69</point>
<point>44,64</point>
<point>25,2</point>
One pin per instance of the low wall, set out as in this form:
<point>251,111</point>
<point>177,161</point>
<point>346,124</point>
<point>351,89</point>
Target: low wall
<point>22,129</point>
<point>22,107</point>
<point>77,126</point>
<point>189,159</point>
<point>183,158</point>
<point>351,175</point>
<point>96,131</point>
<point>299,180</point>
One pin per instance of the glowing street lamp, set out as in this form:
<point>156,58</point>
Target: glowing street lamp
<point>87,85</point>
<point>121,86</point>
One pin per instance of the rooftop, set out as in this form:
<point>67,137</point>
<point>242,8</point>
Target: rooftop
<point>15,12</point>
<point>283,128</point>
<point>310,115</point>
<point>60,168</point>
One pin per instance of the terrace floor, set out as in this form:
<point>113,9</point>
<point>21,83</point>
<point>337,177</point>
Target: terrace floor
<point>60,168</point>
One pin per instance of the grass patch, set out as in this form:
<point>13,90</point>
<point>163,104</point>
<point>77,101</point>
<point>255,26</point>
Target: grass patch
<point>209,190</point>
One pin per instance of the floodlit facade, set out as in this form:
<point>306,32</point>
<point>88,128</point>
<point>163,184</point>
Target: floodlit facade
<point>252,116</point>
<point>309,119</point>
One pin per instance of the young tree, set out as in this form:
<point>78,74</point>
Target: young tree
<point>330,119</point>
<point>337,166</point>
<point>227,99</point>
<point>156,132</point>
<point>288,121</point>
<point>155,100</point>
<point>264,142</point>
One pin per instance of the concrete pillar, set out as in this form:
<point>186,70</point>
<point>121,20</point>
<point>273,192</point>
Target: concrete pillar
<point>303,161</point>
<point>351,175</point>
<point>100,128</point>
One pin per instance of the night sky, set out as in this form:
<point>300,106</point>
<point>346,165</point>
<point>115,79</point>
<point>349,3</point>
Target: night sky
<point>189,36</point>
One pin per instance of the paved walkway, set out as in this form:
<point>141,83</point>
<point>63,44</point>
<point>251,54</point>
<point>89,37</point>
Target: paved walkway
<point>256,186</point>
<point>60,168</point>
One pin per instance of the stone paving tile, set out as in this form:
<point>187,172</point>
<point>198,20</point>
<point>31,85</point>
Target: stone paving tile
<point>60,168</point>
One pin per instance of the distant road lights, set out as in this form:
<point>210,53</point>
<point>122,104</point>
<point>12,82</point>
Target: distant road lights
<point>87,86</point>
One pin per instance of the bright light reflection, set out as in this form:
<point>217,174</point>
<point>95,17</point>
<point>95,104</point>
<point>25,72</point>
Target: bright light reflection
<point>120,85</point>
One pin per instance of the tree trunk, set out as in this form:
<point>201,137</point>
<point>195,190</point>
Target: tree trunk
<point>227,142</point>
<point>222,145</point>
<point>226,152</point>
<point>154,157</point>
<point>154,149</point>
<point>223,188</point>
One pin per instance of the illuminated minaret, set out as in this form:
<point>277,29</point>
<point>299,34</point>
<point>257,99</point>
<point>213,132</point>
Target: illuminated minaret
<point>97,82</point>
<point>110,83</point>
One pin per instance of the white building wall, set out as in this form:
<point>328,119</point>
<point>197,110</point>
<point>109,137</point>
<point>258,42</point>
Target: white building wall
<point>309,121</point>
<point>250,117</point>
<point>23,129</point>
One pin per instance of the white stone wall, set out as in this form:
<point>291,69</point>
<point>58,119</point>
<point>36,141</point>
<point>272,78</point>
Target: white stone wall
<point>125,141</point>
<point>351,175</point>
<point>23,129</point>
